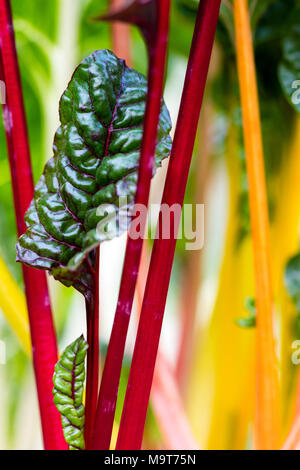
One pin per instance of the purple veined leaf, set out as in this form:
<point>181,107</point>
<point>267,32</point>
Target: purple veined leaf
<point>95,164</point>
<point>68,381</point>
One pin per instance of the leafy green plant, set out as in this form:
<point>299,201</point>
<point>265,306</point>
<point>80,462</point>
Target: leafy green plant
<point>113,135</point>
<point>68,380</point>
<point>96,157</point>
<point>95,163</point>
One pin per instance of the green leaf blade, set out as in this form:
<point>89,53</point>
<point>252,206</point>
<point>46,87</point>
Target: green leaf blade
<point>96,160</point>
<point>68,380</point>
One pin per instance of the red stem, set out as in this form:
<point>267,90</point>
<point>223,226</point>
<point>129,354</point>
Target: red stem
<point>148,335</point>
<point>92,380</point>
<point>44,348</point>
<point>113,363</point>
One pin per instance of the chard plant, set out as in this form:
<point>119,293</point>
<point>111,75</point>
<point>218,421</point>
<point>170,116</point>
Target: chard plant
<point>113,137</point>
<point>96,158</point>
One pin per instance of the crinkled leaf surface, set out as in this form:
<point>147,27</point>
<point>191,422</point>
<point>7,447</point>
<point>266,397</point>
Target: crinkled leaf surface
<point>96,158</point>
<point>68,380</point>
<point>289,69</point>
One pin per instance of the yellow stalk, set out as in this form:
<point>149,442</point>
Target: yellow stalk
<point>222,370</point>
<point>13,306</point>
<point>267,409</point>
<point>287,215</point>
<point>114,436</point>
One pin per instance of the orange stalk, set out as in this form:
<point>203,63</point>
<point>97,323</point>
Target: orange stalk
<point>120,34</point>
<point>267,410</point>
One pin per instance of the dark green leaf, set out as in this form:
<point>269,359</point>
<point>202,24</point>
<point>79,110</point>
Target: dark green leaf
<point>257,9</point>
<point>95,163</point>
<point>68,388</point>
<point>289,69</point>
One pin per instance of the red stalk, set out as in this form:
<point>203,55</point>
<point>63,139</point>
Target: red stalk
<point>92,379</point>
<point>44,348</point>
<point>157,46</point>
<point>146,346</point>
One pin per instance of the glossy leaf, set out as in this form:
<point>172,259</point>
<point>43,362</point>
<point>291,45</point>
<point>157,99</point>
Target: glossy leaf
<point>68,380</point>
<point>95,163</point>
<point>289,69</point>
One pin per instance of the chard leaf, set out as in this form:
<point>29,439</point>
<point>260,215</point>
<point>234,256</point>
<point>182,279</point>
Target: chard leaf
<point>68,380</point>
<point>289,69</point>
<point>96,159</point>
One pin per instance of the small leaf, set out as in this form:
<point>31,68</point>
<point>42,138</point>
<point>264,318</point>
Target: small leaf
<point>68,380</point>
<point>289,68</point>
<point>95,163</point>
<point>250,321</point>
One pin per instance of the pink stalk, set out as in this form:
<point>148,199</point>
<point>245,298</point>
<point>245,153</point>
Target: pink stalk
<point>293,440</point>
<point>168,408</point>
<point>157,36</point>
<point>192,272</point>
<point>165,396</point>
<point>148,335</point>
<point>92,379</point>
<point>44,348</point>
